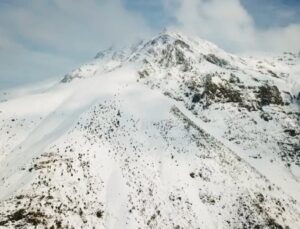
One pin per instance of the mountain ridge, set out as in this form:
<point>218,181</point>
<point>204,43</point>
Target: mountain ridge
<point>172,132</point>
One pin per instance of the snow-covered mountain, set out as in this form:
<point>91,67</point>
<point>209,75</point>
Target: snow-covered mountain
<point>172,132</point>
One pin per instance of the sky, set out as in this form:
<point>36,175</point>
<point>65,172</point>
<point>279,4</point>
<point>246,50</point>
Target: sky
<point>40,39</point>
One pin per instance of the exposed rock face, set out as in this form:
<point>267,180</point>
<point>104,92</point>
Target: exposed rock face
<point>269,95</point>
<point>212,58</point>
<point>224,92</point>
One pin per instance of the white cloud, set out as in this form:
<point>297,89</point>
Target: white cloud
<point>39,39</point>
<point>280,39</point>
<point>227,23</point>
<point>50,37</point>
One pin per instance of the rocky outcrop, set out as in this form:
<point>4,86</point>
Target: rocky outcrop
<point>269,95</point>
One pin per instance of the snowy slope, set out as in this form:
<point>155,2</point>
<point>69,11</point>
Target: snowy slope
<point>169,133</point>
<point>242,98</point>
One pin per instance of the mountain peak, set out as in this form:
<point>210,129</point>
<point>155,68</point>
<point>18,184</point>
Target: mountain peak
<point>168,133</point>
<point>172,32</point>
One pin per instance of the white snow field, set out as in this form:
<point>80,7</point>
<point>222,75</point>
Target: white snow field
<point>169,133</point>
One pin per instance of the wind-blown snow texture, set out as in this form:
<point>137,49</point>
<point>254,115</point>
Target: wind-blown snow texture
<point>169,133</point>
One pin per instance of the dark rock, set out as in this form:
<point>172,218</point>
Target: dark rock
<point>265,116</point>
<point>182,44</point>
<point>143,74</point>
<point>192,175</point>
<point>99,214</point>
<point>269,95</point>
<point>271,223</point>
<point>179,55</point>
<point>212,58</point>
<point>260,197</point>
<point>196,98</point>
<point>234,79</point>
<point>273,74</point>
<point>18,215</point>
<point>291,132</point>
<point>220,93</point>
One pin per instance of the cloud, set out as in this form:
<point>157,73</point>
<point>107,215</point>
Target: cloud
<point>46,38</point>
<point>230,25</point>
<point>40,39</point>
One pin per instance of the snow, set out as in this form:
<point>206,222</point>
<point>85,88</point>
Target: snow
<point>107,148</point>
<point>276,172</point>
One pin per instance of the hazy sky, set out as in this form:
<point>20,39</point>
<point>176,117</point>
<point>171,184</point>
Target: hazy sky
<point>45,38</point>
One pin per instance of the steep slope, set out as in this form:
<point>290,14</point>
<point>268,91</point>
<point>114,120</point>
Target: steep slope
<point>159,135</point>
<point>251,102</point>
<point>242,99</point>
